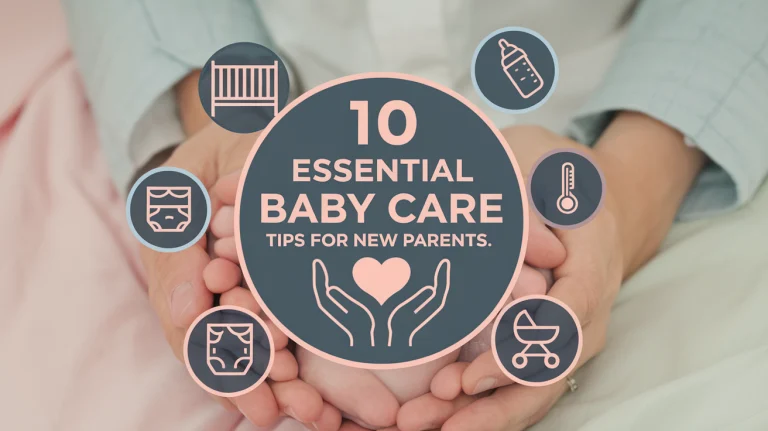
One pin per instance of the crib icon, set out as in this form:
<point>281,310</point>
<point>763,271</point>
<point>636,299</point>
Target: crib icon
<point>530,334</point>
<point>244,85</point>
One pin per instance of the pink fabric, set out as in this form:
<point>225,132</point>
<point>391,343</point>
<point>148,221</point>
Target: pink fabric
<point>82,349</point>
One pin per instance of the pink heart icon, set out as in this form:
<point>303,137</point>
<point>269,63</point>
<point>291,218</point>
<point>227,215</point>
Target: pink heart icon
<point>381,280</point>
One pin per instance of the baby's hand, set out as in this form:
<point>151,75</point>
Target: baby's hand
<point>360,394</point>
<point>373,398</point>
<point>370,398</point>
<point>176,289</point>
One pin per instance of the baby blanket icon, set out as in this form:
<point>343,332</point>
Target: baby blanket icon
<point>169,208</point>
<point>229,348</point>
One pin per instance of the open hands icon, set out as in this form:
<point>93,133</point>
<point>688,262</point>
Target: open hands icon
<point>345,311</point>
<point>416,311</point>
<point>409,317</point>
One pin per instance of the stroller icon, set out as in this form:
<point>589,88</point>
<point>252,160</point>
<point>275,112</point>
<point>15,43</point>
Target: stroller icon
<point>531,334</point>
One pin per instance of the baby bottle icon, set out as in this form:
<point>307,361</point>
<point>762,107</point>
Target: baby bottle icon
<point>519,69</point>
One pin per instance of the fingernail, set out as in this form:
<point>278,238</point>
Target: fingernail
<point>484,385</point>
<point>181,298</point>
<point>289,411</point>
<point>357,420</point>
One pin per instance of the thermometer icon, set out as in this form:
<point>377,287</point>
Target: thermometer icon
<point>567,202</point>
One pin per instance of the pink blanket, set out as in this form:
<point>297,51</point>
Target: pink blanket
<point>82,349</point>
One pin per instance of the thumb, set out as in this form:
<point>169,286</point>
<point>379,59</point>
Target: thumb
<point>442,282</point>
<point>342,300</point>
<point>320,285</point>
<point>347,304</point>
<point>319,275</point>
<point>431,298</point>
<point>176,289</point>
<point>544,249</point>
<point>416,302</point>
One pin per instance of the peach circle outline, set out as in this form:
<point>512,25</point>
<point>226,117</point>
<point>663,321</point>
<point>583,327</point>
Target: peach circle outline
<point>523,199</point>
<point>529,184</point>
<point>263,327</point>
<point>500,363</point>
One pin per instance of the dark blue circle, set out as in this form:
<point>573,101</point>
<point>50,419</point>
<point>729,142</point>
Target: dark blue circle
<point>156,230</point>
<point>494,80</point>
<point>228,349</point>
<point>244,119</point>
<point>546,187</point>
<point>544,313</point>
<point>323,126</point>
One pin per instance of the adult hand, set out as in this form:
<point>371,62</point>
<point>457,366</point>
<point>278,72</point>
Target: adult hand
<point>430,411</point>
<point>648,170</point>
<point>177,290</point>
<point>344,310</point>
<point>359,393</point>
<point>415,312</point>
<point>179,294</point>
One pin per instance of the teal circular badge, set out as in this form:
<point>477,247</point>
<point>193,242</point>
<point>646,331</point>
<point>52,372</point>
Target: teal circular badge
<point>515,70</point>
<point>381,221</point>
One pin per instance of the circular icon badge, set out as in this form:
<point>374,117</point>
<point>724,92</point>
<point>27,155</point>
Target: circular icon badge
<point>228,351</point>
<point>536,340</point>
<point>566,188</point>
<point>381,221</point>
<point>243,86</point>
<point>168,209</point>
<point>515,69</point>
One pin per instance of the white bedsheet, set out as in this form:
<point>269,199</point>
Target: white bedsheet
<point>688,342</point>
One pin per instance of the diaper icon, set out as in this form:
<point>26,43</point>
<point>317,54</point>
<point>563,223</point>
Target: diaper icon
<point>519,70</point>
<point>229,348</point>
<point>169,209</point>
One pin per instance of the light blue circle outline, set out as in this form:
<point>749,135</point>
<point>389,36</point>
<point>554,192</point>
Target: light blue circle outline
<point>551,52</point>
<point>207,215</point>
